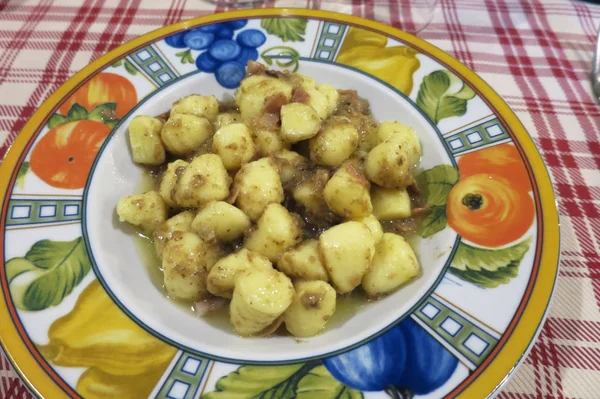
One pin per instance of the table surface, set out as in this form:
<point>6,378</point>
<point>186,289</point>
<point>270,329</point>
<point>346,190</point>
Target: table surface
<point>536,54</point>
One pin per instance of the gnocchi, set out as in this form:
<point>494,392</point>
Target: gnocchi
<point>347,193</point>
<point>222,276</point>
<point>206,106</point>
<point>276,231</point>
<point>257,185</point>
<point>346,251</point>
<point>279,205</point>
<point>146,210</point>
<point>223,220</point>
<point>394,264</point>
<point>144,138</point>
<point>303,262</point>
<point>336,141</point>
<point>312,307</point>
<point>204,180</point>
<point>183,134</point>
<point>233,143</point>
<point>259,298</point>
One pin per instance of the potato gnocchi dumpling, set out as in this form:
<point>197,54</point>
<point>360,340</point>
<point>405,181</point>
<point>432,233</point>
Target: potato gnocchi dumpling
<point>233,143</point>
<point>374,226</point>
<point>222,276</point>
<point>164,232</point>
<point>290,165</point>
<point>299,122</point>
<point>394,130</point>
<point>347,193</point>
<point>183,134</point>
<point>276,231</point>
<point>257,185</point>
<point>146,210</point>
<point>269,142</point>
<point>144,138</point>
<point>256,89</point>
<point>184,263</point>
<point>222,219</point>
<point>259,298</point>
<point>346,251</point>
<point>312,307</point>
<point>389,165</point>
<point>390,203</point>
<point>281,205</point>
<point>394,264</point>
<point>336,141</point>
<point>169,178</point>
<point>225,119</point>
<point>303,262</point>
<point>204,180</point>
<point>309,194</point>
<point>206,106</point>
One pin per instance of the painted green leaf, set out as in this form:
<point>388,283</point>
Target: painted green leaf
<point>130,68</point>
<point>319,383</point>
<point>47,274</point>
<point>435,184</point>
<point>488,268</point>
<point>284,56</point>
<point>116,64</point>
<point>434,222</point>
<point>77,112</point>
<point>442,95</point>
<point>21,174</point>
<point>261,382</point>
<point>56,120</point>
<point>103,112</point>
<point>186,56</point>
<point>287,29</point>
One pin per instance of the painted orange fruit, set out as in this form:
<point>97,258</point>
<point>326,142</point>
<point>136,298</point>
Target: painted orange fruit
<point>502,160</point>
<point>488,210</point>
<point>64,156</point>
<point>104,88</point>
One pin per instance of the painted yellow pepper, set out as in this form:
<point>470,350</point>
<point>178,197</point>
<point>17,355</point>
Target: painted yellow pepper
<point>96,333</point>
<point>96,384</point>
<point>367,51</point>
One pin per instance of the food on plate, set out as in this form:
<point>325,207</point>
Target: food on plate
<point>279,204</point>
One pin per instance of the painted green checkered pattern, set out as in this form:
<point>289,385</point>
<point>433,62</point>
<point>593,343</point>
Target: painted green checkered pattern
<point>466,339</point>
<point>185,378</point>
<point>330,39</point>
<point>486,133</point>
<point>149,61</point>
<point>33,211</point>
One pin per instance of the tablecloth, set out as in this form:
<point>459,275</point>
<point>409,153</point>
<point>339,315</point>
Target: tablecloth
<point>535,53</point>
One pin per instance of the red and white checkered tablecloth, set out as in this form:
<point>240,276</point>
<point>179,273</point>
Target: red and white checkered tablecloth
<point>536,54</point>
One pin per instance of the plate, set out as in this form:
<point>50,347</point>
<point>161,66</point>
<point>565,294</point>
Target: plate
<point>82,317</point>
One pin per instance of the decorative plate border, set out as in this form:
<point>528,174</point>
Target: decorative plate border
<point>528,318</point>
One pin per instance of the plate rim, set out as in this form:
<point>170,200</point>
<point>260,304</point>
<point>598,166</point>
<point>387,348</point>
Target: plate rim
<point>495,370</point>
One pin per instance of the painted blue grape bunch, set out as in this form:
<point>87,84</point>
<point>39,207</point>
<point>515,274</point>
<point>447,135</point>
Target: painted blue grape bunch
<point>222,55</point>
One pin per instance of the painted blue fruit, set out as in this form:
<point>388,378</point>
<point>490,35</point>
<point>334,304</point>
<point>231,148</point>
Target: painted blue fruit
<point>251,38</point>
<point>246,55</point>
<point>225,33</point>
<point>224,50</point>
<point>230,74</point>
<point>212,28</point>
<point>176,40</point>
<point>198,40</point>
<point>372,367</point>
<point>237,24</point>
<point>428,364</point>
<point>206,63</point>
